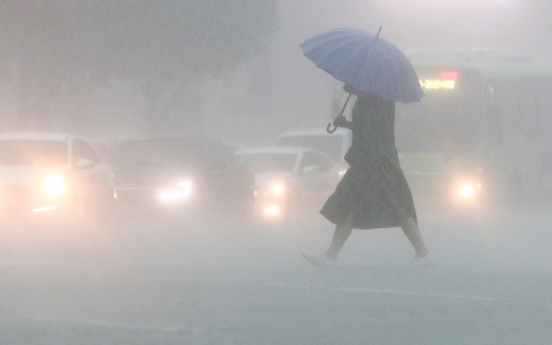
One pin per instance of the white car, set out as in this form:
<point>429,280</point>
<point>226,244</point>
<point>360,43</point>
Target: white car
<point>289,179</point>
<point>334,145</point>
<point>51,173</point>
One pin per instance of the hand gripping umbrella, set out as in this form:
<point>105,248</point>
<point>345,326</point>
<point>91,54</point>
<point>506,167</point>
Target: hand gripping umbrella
<point>366,62</point>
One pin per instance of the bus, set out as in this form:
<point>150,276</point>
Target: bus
<point>482,133</point>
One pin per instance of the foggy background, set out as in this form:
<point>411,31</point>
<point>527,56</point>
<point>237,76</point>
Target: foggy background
<point>233,70</point>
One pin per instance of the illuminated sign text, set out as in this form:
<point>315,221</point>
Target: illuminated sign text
<point>429,84</point>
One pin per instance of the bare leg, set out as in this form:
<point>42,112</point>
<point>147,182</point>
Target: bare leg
<point>341,234</point>
<point>412,231</point>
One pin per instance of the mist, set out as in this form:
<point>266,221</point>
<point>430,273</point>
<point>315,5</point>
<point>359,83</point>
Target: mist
<point>155,275</point>
<point>300,94</point>
<point>276,88</point>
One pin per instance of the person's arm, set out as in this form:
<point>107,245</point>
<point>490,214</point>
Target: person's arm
<point>341,121</point>
<point>354,91</point>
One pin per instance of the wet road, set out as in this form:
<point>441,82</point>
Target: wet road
<point>146,282</point>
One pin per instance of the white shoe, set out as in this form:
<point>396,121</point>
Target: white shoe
<point>319,260</point>
<point>421,261</point>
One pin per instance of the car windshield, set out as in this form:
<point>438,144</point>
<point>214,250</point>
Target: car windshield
<point>261,163</point>
<point>332,146</point>
<point>33,152</point>
<point>160,153</point>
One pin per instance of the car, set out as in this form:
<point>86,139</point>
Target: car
<point>184,176</point>
<point>52,173</point>
<point>289,180</point>
<point>334,145</point>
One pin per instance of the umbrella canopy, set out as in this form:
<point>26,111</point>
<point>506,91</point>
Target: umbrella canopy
<point>367,62</point>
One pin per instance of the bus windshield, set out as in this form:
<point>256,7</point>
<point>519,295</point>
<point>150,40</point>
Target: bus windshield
<point>449,116</point>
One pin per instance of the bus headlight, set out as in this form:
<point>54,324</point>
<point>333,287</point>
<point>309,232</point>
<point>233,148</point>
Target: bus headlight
<point>54,185</point>
<point>181,191</point>
<point>272,210</point>
<point>467,190</point>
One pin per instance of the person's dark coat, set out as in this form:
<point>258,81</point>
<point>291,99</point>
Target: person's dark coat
<point>374,188</point>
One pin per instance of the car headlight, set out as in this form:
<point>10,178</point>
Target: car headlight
<point>54,185</point>
<point>182,191</point>
<point>271,210</point>
<point>466,190</point>
<point>277,188</point>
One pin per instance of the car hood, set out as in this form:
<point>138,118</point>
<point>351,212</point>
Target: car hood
<point>142,176</point>
<point>27,175</point>
<point>265,179</point>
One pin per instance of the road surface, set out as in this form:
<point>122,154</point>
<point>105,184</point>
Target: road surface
<point>142,281</point>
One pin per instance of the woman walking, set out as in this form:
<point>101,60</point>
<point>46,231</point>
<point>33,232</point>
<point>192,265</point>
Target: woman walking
<point>374,192</point>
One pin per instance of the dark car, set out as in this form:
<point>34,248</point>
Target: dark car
<point>184,175</point>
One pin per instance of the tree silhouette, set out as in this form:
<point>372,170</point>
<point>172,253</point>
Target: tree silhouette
<point>162,46</point>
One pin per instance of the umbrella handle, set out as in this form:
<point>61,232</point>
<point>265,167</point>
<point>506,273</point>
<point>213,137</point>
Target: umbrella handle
<point>329,128</point>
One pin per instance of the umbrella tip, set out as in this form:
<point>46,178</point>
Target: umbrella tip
<point>377,35</point>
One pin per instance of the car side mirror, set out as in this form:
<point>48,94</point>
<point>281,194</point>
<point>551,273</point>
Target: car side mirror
<point>85,163</point>
<point>311,169</point>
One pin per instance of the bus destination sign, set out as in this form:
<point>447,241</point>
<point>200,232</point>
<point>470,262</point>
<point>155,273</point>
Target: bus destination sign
<point>447,81</point>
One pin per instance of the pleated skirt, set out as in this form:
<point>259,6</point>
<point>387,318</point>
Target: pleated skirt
<point>378,197</point>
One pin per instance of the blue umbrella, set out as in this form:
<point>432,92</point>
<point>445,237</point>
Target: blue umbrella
<point>367,62</point>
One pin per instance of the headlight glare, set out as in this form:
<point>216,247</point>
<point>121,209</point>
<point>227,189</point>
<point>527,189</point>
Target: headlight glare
<point>272,210</point>
<point>181,191</point>
<point>185,185</point>
<point>466,190</point>
<point>277,188</point>
<point>54,185</point>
